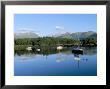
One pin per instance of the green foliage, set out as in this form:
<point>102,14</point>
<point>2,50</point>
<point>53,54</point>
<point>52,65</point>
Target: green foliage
<point>89,42</point>
<point>52,41</point>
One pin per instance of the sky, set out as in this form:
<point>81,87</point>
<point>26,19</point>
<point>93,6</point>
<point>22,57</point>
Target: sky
<point>50,24</point>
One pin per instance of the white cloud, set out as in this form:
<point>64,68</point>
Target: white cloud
<point>25,29</point>
<point>59,28</point>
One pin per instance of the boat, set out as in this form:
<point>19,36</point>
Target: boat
<point>38,49</point>
<point>77,51</point>
<point>32,48</point>
<point>29,48</point>
<point>59,47</point>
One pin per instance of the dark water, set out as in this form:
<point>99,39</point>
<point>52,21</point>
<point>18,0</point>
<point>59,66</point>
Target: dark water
<point>56,63</point>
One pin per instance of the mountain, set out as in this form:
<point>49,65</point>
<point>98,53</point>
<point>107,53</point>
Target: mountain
<point>76,35</point>
<point>79,35</point>
<point>25,34</point>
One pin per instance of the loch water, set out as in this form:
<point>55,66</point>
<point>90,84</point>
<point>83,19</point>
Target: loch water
<point>56,63</point>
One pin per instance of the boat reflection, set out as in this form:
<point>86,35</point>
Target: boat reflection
<point>78,57</point>
<point>59,57</point>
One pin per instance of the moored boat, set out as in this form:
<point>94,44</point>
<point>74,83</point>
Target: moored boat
<point>59,47</point>
<point>77,51</point>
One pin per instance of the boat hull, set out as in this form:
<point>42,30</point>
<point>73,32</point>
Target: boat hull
<point>76,51</point>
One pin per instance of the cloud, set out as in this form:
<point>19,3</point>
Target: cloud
<point>59,28</point>
<point>26,29</point>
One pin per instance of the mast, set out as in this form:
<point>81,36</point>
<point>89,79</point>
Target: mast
<point>78,38</point>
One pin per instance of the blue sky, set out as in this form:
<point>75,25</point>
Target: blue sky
<point>49,24</point>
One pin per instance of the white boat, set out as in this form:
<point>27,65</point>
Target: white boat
<point>59,47</point>
<point>29,48</point>
<point>38,49</point>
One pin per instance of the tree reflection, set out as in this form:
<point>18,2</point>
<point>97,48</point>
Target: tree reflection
<point>52,50</point>
<point>61,55</point>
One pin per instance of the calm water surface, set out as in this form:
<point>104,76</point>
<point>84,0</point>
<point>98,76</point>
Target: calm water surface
<point>59,63</point>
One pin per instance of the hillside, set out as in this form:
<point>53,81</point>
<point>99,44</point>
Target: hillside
<point>79,35</point>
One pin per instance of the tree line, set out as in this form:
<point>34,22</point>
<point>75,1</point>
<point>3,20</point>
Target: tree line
<point>54,41</point>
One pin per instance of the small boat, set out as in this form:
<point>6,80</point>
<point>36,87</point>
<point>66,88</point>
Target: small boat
<point>29,48</point>
<point>59,47</point>
<point>38,49</point>
<point>77,51</point>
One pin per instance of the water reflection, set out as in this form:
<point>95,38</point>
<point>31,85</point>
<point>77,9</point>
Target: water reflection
<point>61,55</point>
<point>49,51</point>
<point>58,60</point>
<point>77,58</point>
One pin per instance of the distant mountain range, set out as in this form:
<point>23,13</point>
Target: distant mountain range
<point>27,34</point>
<point>76,35</point>
<point>79,35</point>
